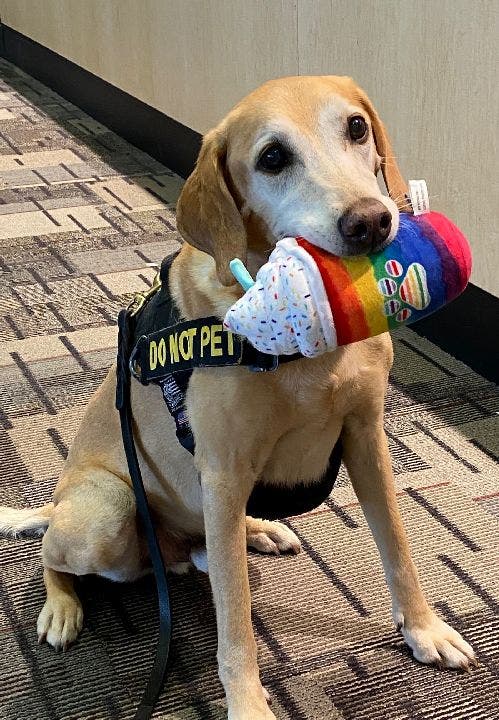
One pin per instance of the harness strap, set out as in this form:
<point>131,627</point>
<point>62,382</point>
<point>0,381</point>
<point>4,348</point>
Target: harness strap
<point>123,404</point>
<point>174,388</point>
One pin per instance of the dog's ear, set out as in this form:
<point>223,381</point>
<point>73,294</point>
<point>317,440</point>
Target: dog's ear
<point>207,216</point>
<point>395,183</point>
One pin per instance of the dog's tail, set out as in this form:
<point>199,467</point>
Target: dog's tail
<point>13,521</point>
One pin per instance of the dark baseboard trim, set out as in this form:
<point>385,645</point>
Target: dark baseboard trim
<point>165,139</point>
<point>468,329</point>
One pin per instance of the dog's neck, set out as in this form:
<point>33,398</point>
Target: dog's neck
<point>196,288</point>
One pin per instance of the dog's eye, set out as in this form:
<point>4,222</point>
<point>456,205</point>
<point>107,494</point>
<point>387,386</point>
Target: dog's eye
<point>274,158</point>
<point>357,128</point>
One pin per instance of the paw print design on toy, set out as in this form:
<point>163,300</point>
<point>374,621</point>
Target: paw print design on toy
<point>412,291</point>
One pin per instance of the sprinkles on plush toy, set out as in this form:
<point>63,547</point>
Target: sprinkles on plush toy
<point>307,300</point>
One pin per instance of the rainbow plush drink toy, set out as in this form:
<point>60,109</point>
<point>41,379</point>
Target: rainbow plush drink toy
<point>307,301</point>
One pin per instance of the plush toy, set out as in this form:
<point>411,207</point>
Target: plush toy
<point>306,300</point>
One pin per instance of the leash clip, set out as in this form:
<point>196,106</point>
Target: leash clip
<point>140,298</point>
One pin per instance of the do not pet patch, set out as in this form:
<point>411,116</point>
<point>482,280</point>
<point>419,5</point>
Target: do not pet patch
<point>194,343</point>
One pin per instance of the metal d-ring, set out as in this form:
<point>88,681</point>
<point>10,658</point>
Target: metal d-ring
<point>131,362</point>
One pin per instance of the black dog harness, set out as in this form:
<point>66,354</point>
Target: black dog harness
<point>156,346</point>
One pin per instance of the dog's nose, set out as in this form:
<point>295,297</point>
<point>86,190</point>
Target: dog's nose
<point>365,225</point>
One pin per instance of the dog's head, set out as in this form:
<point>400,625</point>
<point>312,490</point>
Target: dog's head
<point>298,156</point>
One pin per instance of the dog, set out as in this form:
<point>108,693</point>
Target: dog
<point>298,156</point>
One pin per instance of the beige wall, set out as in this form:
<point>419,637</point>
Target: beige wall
<point>430,66</point>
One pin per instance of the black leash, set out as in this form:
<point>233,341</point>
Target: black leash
<point>123,404</point>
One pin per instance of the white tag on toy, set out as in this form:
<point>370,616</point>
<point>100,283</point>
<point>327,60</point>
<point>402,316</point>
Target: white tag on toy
<point>418,192</point>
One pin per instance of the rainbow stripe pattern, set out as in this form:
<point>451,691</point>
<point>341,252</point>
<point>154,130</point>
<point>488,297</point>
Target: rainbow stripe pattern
<point>427,265</point>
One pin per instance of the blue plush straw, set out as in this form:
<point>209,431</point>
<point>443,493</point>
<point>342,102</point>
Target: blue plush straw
<point>241,274</point>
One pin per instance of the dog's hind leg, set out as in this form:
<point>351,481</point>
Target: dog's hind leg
<point>61,618</point>
<point>93,530</point>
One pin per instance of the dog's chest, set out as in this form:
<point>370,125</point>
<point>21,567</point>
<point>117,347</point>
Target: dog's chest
<point>314,417</point>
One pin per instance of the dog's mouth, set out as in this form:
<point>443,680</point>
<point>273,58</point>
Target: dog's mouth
<point>364,247</point>
<point>341,247</point>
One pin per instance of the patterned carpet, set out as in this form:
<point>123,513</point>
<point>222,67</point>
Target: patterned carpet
<point>82,214</point>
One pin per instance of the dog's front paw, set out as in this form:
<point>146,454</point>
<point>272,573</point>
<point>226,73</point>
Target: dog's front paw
<point>271,537</point>
<point>436,643</point>
<point>60,621</point>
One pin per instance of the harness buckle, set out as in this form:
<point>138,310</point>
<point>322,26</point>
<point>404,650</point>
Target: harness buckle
<point>271,367</point>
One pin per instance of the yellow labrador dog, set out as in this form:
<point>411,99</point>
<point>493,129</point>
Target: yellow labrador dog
<point>299,156</point>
